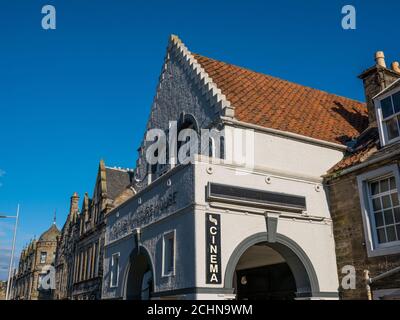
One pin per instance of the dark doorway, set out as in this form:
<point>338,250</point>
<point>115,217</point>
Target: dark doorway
<point>272,282</point>
<point>140,278</point>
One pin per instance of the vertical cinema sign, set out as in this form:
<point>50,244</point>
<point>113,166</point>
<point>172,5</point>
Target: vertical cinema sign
<point>213,249</point>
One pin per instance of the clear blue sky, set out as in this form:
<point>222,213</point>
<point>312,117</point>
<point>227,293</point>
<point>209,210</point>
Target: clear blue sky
<point>83,92</point>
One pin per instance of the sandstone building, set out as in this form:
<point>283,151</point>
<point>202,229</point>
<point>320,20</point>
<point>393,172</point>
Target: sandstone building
<point>79,260</point>
<point>35,262</point>
<point>3,288</point>
<point>364,192</point>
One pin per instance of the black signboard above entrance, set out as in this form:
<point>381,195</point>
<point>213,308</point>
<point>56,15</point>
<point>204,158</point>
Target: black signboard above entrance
<point>255,197</point>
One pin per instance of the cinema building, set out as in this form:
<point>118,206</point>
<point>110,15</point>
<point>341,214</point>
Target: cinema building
<point>256,226</point>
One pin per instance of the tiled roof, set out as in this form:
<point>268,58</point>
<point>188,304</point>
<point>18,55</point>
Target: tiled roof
<point>117,181</point>
<point>274,103</point>
<point>354,158</point>
<point>369,149</point>
<point>50,234</point>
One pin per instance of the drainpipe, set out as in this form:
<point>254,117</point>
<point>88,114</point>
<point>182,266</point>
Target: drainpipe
<point>368,281</point>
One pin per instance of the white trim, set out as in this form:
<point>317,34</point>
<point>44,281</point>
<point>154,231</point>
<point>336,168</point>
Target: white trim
<point>371,243</point>
<point>168,235</point>
<point>112,273</point>
<point>388,88</point>
<point>378,110</point>
<point>287,134</point>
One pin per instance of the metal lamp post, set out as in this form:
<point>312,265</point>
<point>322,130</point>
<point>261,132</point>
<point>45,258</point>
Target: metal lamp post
<point>12,251</point>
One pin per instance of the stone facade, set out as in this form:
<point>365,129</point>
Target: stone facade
<point>352,213</point>
<point>350,237</point>
<point>35,262</point>
<point>79,261</point>
<point>65,252</point>
<point>3,288</point>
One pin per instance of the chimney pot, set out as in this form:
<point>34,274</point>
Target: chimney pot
<point>396,67</point>
<point>380,59</point>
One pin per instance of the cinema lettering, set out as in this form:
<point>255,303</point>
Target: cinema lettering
<point>213,240</point>
<point>144,214</point>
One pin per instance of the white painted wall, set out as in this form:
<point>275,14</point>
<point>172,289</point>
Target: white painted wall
<point>285,155</point>
<point>315,238</point>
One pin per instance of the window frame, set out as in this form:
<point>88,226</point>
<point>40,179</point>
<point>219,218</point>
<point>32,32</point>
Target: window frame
<point>374,248</point>
<point>112,285</point>
<point>43,254</point>
<point>382,127</point>
<point>166,236</point>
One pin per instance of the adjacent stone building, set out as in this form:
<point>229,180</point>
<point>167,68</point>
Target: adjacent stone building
<point>3,289</point>
<point>364,192</point>
<point>36,261</point>
<point>79,261</point>
<point>65,254</point>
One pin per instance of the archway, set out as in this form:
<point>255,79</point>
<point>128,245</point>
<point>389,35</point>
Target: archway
<point>258,269</point>
<point>139,279</point>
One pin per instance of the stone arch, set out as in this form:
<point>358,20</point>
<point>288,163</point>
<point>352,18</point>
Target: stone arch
<point>187,119</point>
<point>299,263</point>
<point>140,262</point>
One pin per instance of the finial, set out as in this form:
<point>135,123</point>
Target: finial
<point>55,216</point>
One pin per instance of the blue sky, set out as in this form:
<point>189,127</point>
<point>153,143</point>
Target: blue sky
<point>82,92</point>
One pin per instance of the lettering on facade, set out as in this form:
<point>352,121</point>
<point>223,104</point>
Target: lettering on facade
<point>146,213</point>
<point>213,249</point>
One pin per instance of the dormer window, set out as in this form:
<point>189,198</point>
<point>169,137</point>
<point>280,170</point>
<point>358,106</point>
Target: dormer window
<point>388,112</point>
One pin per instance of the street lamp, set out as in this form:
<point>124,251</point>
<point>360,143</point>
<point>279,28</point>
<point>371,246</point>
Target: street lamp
<point>12,250</point>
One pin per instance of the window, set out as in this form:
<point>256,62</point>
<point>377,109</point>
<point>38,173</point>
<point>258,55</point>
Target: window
<point>386,210</point>
<point>379,197</point>
<point>114,270</point>
<point>43,256</point>
<point>169,254</point>
<point>389,118</point>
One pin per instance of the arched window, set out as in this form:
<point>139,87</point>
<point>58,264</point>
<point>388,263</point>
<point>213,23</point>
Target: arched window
<point>211,147</point>
<point>186,121</point>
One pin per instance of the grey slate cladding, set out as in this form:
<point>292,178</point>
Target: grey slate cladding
<point>117,181</point>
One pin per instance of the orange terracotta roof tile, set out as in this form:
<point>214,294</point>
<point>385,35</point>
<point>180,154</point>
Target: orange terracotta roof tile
<point>278,104</point>
<point>355,158</point>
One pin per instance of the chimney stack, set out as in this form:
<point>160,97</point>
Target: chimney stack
<point>380,59</point>
<point>376,79</point>
<point>74,207</point>
<point>396,67</point>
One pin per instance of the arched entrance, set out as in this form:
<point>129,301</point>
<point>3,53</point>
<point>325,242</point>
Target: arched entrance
<point>139,278</point>
<point>260,270</point>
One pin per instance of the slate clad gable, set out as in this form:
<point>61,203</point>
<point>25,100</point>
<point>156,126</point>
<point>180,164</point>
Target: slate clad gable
<point>117,181</point>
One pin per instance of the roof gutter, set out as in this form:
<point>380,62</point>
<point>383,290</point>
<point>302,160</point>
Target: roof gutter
<point>285,134</point>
